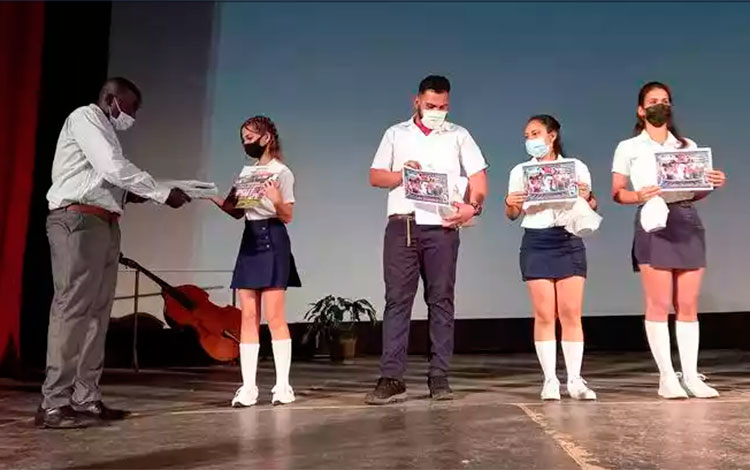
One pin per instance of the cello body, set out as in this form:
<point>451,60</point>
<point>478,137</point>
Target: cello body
<point>188,306</point>
<point>217,327</point>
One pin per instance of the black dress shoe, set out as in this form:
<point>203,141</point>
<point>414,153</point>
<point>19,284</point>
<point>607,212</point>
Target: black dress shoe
<point>98,410</point>
<point>62,417</point>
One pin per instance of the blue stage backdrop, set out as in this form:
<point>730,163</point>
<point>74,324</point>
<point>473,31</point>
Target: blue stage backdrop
<point>334,76</point>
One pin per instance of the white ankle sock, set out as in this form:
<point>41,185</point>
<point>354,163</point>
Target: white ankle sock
<point>688,336</point>
<point>249,363</point>
<point>573,354</point>
<point>546,351</point>
<point>658,340</point>
<point>282,360</point>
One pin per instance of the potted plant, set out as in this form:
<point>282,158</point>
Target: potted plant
<point>335,319</point>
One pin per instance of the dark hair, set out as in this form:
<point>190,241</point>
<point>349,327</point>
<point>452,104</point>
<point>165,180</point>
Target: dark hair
<point>640,124</point>
<point>436,83</point>
<point>263,125</point>
<point>121,83</point>
<point>551,124</point>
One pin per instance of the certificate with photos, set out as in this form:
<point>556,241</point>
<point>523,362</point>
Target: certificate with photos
<point>684,170</point>
<point>550,181</point>
<point>426,187</point>
<point>250,187</point>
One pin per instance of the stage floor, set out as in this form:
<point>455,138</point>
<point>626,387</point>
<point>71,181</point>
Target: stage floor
<point>181,420</point>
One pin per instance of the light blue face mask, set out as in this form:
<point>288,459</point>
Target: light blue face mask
<point>537,148</point>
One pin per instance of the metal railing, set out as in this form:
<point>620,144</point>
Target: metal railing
<point>137,295</point>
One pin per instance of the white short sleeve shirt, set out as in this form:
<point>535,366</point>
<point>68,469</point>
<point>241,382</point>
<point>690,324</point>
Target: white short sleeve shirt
<point>634,158</point>
<point>449,149</point>
<point>545,214</point>
<point>266,209</point>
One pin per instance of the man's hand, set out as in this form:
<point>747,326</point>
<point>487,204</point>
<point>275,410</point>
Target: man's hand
<point>134,198</point>
<point>463,214</point>
<point>647,193</point>
<point>413,164</point>
<point>177,198</point>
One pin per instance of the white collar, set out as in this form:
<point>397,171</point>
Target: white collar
<point>671,139</point>
<point>536,160</point>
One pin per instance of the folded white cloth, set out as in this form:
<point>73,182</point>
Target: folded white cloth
<point>654,214</point>
<point>194,189</point>
<point>580,219</point>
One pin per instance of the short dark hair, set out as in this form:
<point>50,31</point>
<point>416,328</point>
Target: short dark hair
<point>436,83</point>
<point>123,83</point>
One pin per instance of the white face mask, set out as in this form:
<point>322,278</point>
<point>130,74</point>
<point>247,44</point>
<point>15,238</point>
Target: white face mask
<point>433,118</point>
<point>537,148</point>
<point>123,121</point>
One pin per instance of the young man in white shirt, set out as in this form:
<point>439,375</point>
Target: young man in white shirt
<point>91,182</point>
<point>421,241</point>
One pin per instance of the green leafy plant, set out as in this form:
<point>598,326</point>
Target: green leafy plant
<point>334,316</point>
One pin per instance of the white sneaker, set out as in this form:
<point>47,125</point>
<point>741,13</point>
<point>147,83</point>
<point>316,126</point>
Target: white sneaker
<point>670,387</point>
<point>245,396</point>
<point>578,390</point>
<point>551,389</point>
<point>282,395</point>
<point>696,386</point>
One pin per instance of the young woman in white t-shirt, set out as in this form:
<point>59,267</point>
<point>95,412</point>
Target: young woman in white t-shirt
<point>553,261</point>
<point>671,260</point>
<point>265,265</point>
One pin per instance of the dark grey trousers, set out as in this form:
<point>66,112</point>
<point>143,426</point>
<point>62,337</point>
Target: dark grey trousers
<point>85,250</point>
<point>408,254</point>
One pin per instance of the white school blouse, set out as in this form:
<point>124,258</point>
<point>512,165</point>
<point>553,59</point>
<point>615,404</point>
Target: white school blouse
<point>635,158</point>
<point>541,215</point>
<point>285,177</point>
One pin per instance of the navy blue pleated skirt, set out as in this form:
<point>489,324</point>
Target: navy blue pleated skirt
<point>552,253</point>
<point>681,245</point>
<point>265,259</point>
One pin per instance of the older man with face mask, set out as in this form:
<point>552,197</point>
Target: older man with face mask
<point>91,182</point>
<point>422,240</point>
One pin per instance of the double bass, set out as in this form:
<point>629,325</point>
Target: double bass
<point>218,328</point>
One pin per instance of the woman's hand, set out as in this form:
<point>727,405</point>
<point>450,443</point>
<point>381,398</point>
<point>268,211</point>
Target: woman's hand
<point>273,193</point>
<point>647,193</point>
<point>515,199</point>
<point>716,177</point>
<point>584,190</point>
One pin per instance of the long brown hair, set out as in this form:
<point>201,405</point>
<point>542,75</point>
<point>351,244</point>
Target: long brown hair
<point>262,125</point>
<point>640,124</point>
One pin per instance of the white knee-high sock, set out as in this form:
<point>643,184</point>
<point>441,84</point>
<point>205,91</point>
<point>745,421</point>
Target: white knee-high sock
<point>546,351</point>
<point>282,360</point>
<point>573,353</point>
<point>688,338</point>
<point>249,363</point>
<point>658,340</point>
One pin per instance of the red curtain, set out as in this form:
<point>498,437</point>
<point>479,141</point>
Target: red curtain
<point>21,41</point>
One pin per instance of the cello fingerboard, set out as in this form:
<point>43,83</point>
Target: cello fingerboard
<point>165,286</point>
